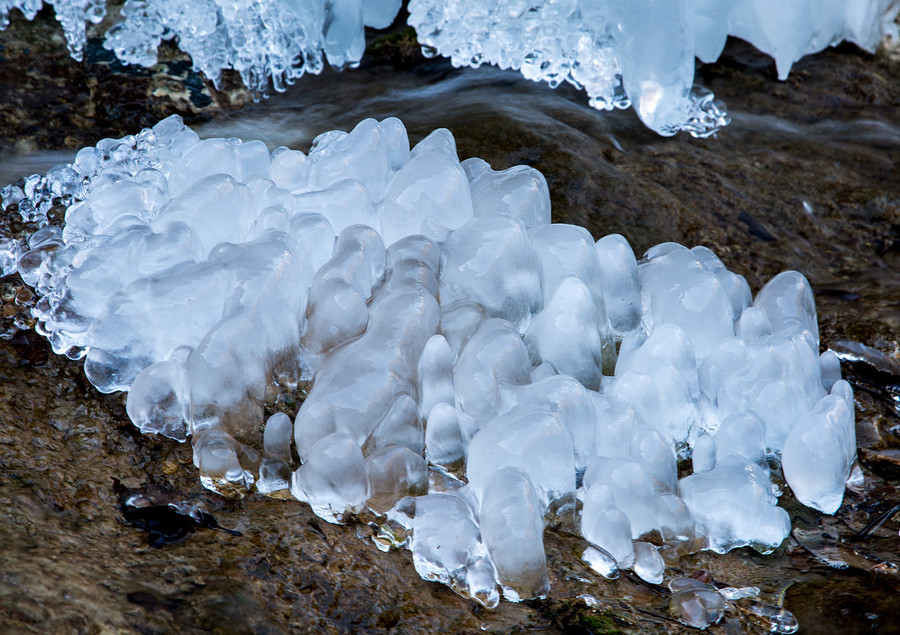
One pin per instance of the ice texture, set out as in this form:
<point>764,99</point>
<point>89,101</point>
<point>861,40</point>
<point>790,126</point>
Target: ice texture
<point>641,52</point>
<point>820,450</point>
<point>452,353</point>
<point>623,53</point>
<point>276,41</point>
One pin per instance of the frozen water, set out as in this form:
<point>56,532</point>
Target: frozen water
<point>606,527</point>
<point>394,472</point>
<point>819,452</point>
<point>565,334</point>
<point>734,506</point>
<point>446,543</point>
<point>622,52</point>
<point>512,526</point>
<point>641,52</point>
<point>531,439</point>
<point>492,261</point>
<point>629,490</point>
<point>696,603</point>
<point>619,282</point>
<point>277,41</point>
<point>453,351</point>
<point>333,478</point>
<point>648,564</point>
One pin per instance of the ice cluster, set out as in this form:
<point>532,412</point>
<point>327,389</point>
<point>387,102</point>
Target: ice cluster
<point>273,40</point>
<point>471,371</point>
<point>641,52</point>
<point>622,52</point>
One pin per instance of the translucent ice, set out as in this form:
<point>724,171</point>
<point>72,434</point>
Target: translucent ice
<point>277,41</point>
<point>819,452</point>
<point>648,564</point>
<point>476,263</point>
<point>607,527</point>
<point>446,544</point>
<point>512,526</point>
<point>531,439</point>
<point>629,490</point>
<point>696,603</point>
<point>333,478</point>
<point>451,352</point>
<point>619,282</point>
<point>393,473</point>
<point>640,52</point>
<point>734,506</point>
<point>565,334</point>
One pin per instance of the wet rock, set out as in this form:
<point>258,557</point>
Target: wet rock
<point>98,98</point>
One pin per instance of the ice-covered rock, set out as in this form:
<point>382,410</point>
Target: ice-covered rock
<point>452,349</point>
<point>641,52</point>
<point>622,52</point>
<point>275,41</point>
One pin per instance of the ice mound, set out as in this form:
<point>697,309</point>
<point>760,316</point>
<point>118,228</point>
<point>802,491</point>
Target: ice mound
<point>641,52</point>
<point>471,371</point>
<point>275,40</point>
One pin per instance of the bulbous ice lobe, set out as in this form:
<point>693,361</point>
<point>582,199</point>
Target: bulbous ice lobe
<point>453,351</point>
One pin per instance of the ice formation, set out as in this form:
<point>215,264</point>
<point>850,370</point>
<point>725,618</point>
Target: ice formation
<point>274,40</point>
<point>471,371</point>
<point>641,52</point>
<point>622,52</point>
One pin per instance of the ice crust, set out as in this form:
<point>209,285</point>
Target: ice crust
<point>269,43</point>
<point>470,370</point>
<point>641,52</point>
<point>622,52</point>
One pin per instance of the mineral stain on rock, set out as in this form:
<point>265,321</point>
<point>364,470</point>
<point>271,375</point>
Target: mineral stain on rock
<point>165,523</point>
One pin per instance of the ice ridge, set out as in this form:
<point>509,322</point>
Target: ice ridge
<point>623,53</point>
<point>274,42</point>
<point>472,371</point>
<point>641,52</point>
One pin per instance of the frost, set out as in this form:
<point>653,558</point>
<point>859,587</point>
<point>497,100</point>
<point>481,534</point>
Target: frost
<point>457,356</point>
